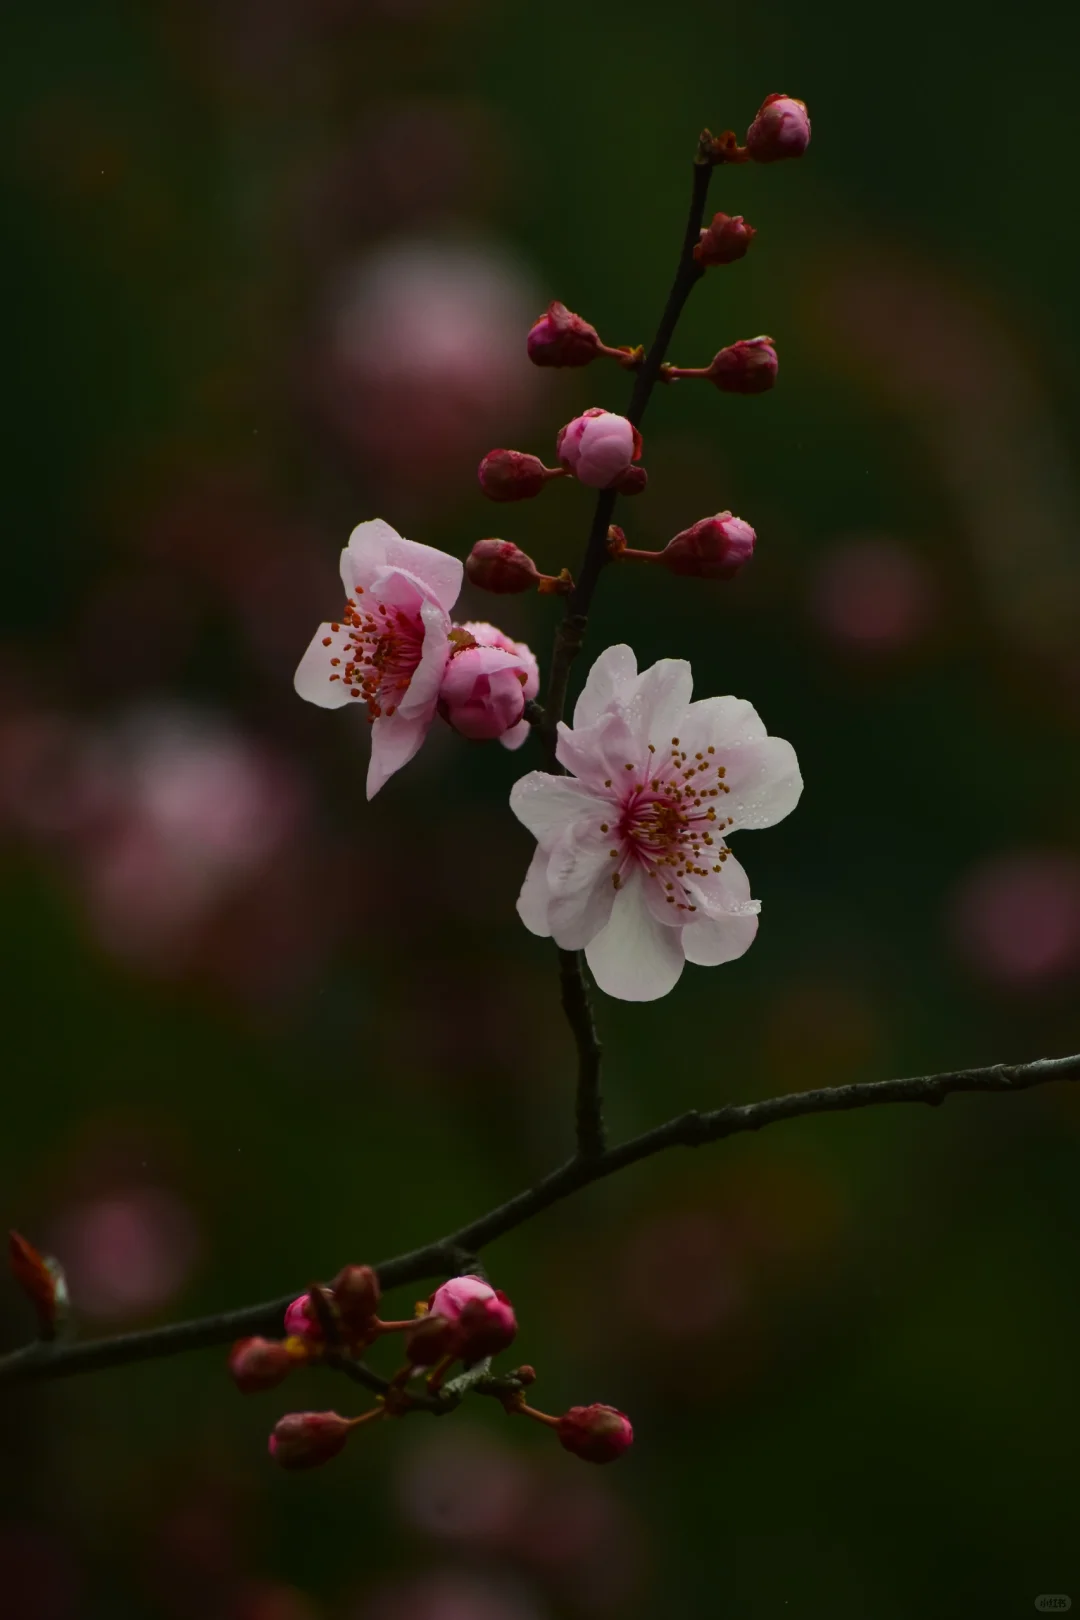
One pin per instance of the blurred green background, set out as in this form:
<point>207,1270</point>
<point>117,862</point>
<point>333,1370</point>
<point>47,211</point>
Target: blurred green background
<point>268,268</point>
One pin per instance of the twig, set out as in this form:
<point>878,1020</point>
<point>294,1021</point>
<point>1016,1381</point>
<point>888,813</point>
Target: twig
<point>60,1360</point>
<point>568,641</point>
<point>589,1111</point>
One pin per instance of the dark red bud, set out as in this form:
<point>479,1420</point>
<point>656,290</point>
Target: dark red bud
<point>501,567</point>
<point>430,1340</point>
<point>747,367</point>
<point>513,475</point>
<point>561,338</point>
<point>725,240</point>
<point>355,1292</point>
<point>308,1439</point>
<point>41,1280</point>
<point>632,482</point>
<point>258,1364</point>
<point>597,1434</point>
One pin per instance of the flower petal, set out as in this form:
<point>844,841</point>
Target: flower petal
<point>516,735</point>
<point>314,678</point>
<point>612,675</point>
<point>713,940</point>
<point>719,722</point>
<point>659,701</point>
<point>548,804</point>
<point>763,781</point>
<point>418,701</point>
<point>599,754</point>
<point>532,903</point>
<point>576,919</point>
<point>375,545</point>
<point>634,958</point>
<point>395,738</point>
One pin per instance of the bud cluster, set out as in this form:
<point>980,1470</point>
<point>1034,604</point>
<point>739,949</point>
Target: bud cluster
<point>466,1320</point>
<point>602,449</point>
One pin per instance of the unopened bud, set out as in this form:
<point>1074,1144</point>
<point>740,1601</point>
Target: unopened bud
<point>715,548</point>
<point>432,1338</point>
<point>451,1299</point>
<point>485,1327</point>
<point>501,567</point>
<point>302,1322</point>
<point>724,241</point>
<point>780,130</point>
<point>598,1434</point>
<point>257,1364</point>
<point>482,692</point>
<point>355,1292</point>
<point>746,367</point>
<point>513,475</point>
<point>632,482</point>
<point>42,1281</point>
<point>598,447</point>
<point>561,338</point>
<point>308,1439</point>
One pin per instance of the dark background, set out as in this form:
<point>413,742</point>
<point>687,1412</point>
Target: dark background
<point>268,267</point>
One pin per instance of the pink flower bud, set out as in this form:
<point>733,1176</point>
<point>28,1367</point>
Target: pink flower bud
<point>451,1299</point>
<point>633,481</point>
<point>598,447</point>
<point>780,130</point>
<point>746,367</point>
<point>485,1327</point>
<point>301,1321</point>
<point>308,1439</point>
<point>355,1292</point>
<point>511,475</point>
<point>501,567</point>
<point>561,338</point>
<point>715,548</point>
<point>257,1364</point>
<point>598,1434</point>
<point>488,635</point>
<point>432,1338</point>
<point>724,241</point>
<point>482,693</point>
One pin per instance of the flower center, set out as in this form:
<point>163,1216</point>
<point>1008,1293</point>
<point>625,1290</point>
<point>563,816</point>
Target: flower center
<point>668,825</point>
<point>383,648</point>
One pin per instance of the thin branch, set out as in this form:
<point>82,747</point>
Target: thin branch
<point>60,1360</point>
<point>568,641</point>
<point>589,1111</point>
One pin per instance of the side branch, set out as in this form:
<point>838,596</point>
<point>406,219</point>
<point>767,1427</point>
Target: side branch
<point>59,1360</point>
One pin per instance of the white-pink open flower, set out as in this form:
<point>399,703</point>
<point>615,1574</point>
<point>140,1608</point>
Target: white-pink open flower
<point>632,863</point>
<point>391,646</point>
<point>488,635</point>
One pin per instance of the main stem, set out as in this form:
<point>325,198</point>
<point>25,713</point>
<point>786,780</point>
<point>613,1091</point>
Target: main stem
<point>591,1137</point>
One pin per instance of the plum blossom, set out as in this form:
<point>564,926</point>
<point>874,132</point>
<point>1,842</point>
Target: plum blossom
<point>487,635</point>
<point>598,447</point>
<point>391,646</point>
<point>632,863</point>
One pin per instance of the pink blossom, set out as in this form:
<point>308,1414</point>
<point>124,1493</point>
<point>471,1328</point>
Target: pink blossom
<point>392,645</point>
<point>451,1299</point>
<point>781,129</point>
<point>489,636</point>
<point>632,864</point>
<point>482,694</point>
<point>713,548</point>
<point>598,447</point>
<point>300,1320</point>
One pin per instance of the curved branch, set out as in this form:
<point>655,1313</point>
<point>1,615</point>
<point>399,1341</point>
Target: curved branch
<point>59,1360</point>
